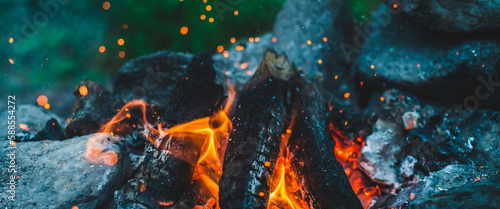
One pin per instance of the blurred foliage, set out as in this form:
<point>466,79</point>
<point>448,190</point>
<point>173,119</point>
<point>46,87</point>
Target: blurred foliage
<point>57,47</point>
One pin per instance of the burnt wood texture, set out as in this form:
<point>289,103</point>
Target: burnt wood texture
<point>164,174</point>
<point>311,150</point>
<point>259,121</point>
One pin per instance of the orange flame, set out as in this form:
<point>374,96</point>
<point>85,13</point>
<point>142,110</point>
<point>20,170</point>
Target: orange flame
<point>211,133</point>
<point>347,152</point>
<point>287,192</point>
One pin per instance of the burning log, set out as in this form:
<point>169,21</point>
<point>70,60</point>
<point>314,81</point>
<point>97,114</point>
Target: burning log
<point>253,147</point>
<point>311,147</point>
<point>93,108</point>
<point>166,168</point>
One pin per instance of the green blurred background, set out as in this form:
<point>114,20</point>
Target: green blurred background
<point>64,48</point>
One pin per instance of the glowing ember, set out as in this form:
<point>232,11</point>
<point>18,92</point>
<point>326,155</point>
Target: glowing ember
<point>244,65</point>
<point>239,48</point>
<point>274,39</point>
<point>83,90</point>
<point>102,49</point>
<point>106,5</point>
<point>347,94</point>
<point>47,106</point>
<point>211,19</point>
<point>110,158</point>
<point>121,41</point>
<point>320,61</point>
<point>11,40</point>
<point>203,17</point>
<point>184,30</point>
<point>74,207</point>
<point>347,152</point>
<point>208,7</point>
<point>42,100</point>
<point>121,54</point>
<point>11,61</point>
<point>220,48</point>
<point>236,12</point>
<point>23,126</point>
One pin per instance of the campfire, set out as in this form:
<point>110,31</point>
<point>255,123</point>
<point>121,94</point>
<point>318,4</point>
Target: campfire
<point>318,113</point>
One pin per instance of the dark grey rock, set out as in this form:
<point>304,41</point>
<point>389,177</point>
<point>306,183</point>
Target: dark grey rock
<point>453,15</point>
<point>52,131</point>
<point>34,117</point>
<point>458,182</point>
<point>56,174</point>
<point>439,66</point>
<point>151,77</point>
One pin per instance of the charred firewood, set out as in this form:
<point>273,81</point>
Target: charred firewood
<point>311,148</point>
<point>94,107</point>
<point>259,121</point>
<point>51,131</point>
<point>164,174</point>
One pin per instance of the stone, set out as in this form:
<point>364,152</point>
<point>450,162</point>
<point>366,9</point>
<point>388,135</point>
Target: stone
<point>378,156</point>
<point>151,77</point>
<point>57,174</point>
<point>52,131</point>
<point>453,68</point>
<point>34,117</point>
<point>453,15</point>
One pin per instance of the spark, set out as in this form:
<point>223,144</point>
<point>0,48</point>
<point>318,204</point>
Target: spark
<point>208,7</point>
<point>244,65</point>
<point>309,42</point>
<point>267,163</point>
<point>236,12</point>
<point>11,61</point>
<point>325,39</point>
<point>102,49</point>
<point>42,100</point>
<point>211,19</point>
<point>184,30</point>
<point>233,40</point>
<point>220,48</point>
<point>83,90</point>
<point>320,61</point>
<point>121,41</point>
<point>203,17</point>
<point>347,94</point>
<point>251,39</point>
<point>106,5</point>
<point>11,40</point>
<point>372,67</point>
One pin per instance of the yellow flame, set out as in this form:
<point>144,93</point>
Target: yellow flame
<point>284,195</point>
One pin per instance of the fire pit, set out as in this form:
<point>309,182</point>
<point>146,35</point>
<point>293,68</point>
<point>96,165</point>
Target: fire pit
<point>400,112</point>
